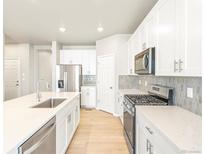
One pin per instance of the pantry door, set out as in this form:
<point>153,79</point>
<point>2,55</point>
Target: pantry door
<point>105,83</point>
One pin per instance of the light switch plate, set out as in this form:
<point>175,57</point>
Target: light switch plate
<point>145,83</point>
<point>140,82</point>
<point>190,92</point>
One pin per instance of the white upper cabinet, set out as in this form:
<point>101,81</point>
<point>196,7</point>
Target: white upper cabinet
<point>143,36</point>
<point>85,57</point>
<point>188,32</point>
<point>179,38</point>
<point>166,39</point>
<point>152,29</point>
<point>173,27</point>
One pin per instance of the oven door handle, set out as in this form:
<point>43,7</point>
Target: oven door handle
<point>127,110</point>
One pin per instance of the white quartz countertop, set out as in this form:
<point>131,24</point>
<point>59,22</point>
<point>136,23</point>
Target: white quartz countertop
<point>181,127</point>
<point>132,92</point>
<point>21,121</point>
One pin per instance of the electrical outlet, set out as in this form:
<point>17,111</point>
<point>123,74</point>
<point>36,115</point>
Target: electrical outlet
<point>140,82</point>
<point>190,92</point>
<point>145,83</point>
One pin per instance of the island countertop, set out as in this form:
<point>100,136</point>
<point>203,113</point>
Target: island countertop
<point>21,120</point>
<point>183,128</point>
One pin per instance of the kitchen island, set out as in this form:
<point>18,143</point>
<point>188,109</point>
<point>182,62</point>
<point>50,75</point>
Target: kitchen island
<point>21,121</point>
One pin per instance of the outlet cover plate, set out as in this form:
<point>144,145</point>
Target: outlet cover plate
<point>190,92</point>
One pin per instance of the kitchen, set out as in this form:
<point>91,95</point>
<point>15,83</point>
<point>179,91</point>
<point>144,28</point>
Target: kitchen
<point>95,81</point>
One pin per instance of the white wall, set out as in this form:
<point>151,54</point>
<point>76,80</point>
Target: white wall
<point>111,45</point>
<point>24,53</point>
<point>36,49</point>
<point>56,47</point>
<point>77,47</point>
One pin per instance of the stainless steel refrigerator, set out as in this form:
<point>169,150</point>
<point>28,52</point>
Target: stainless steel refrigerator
<point>68,78</point>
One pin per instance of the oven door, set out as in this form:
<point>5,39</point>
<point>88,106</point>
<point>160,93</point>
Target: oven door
<point>129,128</point>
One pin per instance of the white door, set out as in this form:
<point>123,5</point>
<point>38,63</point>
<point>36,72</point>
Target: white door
<point>45,70</point>
<point>12,87</point>
<point>105,83</point>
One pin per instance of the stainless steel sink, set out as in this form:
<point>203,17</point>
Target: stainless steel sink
<point>50,103</point>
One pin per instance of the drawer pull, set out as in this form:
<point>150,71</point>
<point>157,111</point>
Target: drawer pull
<point>149,130</point>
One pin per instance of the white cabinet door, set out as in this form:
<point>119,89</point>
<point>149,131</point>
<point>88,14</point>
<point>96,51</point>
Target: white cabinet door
<point>61,137</point>
<point>143,143</point>
<point>77,113</point>
<point>143,36</point>
<point>152,30</point>
<point>120,99</point>
<point>70,125</point>
<point>131,64</point>
<point>88,97</point>
<point>166,24</point>
<point>70,57</point>
<point>89,62</point>
<point>189,50</point>
<point>92,63</point>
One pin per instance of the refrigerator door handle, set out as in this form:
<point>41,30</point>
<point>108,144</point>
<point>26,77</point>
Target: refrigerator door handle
<point>65,81</point>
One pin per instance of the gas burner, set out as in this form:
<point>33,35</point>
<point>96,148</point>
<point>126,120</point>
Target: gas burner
<point>146,100</point>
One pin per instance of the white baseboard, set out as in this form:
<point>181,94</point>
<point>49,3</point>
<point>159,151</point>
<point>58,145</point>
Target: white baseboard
<point>116,115</point>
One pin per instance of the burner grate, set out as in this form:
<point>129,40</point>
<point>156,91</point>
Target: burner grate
<point>145,100</point>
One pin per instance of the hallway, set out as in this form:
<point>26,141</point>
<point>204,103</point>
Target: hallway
<point>98,133</point>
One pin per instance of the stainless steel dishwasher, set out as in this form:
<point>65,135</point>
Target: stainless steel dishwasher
<point>42,142</point>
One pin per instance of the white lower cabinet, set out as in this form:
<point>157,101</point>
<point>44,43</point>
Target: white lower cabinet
<point>61,136</point>
<point>150,141</point>
<point>120,99</point>
<point>67,121</point>
<point>88,96</point>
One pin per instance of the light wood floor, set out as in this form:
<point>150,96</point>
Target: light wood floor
<point>98,133</point>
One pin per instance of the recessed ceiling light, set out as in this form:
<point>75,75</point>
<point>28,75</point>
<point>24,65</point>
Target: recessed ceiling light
<point>100,28</point>
<point>62,29</point>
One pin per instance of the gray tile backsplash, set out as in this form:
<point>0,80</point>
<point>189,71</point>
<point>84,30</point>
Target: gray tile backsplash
<point>180,84</point>
<point>89,79</point>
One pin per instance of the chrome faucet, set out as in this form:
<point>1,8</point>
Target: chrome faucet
<point>38,93</point>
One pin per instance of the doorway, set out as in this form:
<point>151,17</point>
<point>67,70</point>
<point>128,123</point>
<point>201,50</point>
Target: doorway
<point>12,87</point>
<point>44,70</point>
<point>105,83</point>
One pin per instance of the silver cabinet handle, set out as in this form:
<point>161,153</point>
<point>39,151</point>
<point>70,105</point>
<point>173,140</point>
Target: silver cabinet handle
<point>36,145</point>
<point>151,149</point>
<point>180,65</point>
<point>147,145</point>
<point>149,130</point>
<point>175,66</point>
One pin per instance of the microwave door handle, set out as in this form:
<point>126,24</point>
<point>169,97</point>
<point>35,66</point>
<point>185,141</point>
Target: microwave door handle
<point>145,61</point>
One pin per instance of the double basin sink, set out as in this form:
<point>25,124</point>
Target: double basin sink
<point>50,103</point>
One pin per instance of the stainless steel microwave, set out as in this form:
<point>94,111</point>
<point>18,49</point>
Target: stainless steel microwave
<point>145,62</point>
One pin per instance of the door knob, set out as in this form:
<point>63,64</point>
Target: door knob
<point>110,87</point>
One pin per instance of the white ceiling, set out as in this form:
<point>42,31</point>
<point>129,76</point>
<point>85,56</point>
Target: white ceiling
<point>37,21</point>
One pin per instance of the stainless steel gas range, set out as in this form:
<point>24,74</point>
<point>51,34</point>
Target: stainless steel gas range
<point>157,95</point>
